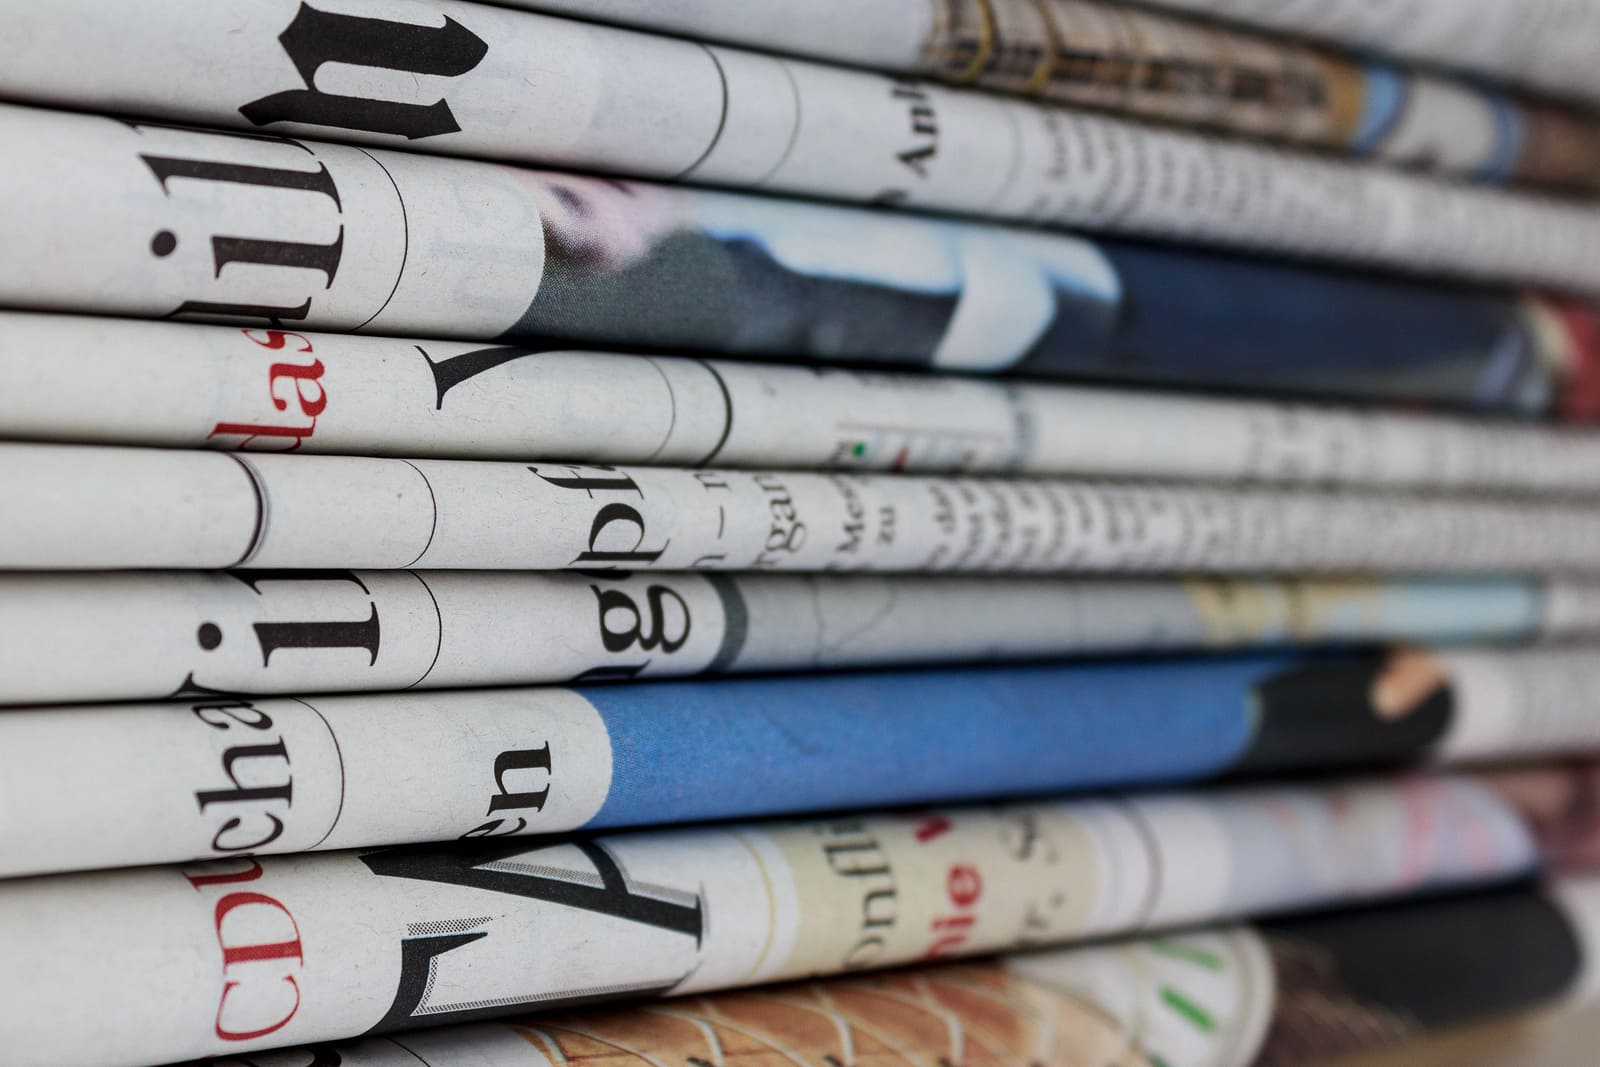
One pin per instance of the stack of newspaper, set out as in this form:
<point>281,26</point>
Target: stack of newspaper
<point>1119,472</point>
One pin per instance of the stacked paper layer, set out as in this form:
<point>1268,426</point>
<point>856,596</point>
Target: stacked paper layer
<point>770,554</point>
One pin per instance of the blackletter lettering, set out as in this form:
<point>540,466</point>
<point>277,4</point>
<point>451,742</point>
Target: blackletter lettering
<point>242,712</point>
<point>299,376</point>
<point>621,640</point>
<point>492,828</point>
<point>165,168</point>
<point>251,871</point>
<point>255,953</point>
<point>620,672</point>
<point>917,158</point>
<point>226,249</point>
<point>275,635</point>
<point>852,852</point>
<point>251,431</point>
<point>416,964</point>
<point>464,867</point>
<point>232,954</point>
<point>533,759</point>
<point>250,1035</point>
<point>924,124</point>
<point>324,258</point>
<point>364,634</point>
<point>240,792</point>
<point>621,483</point>
<point>273,832</point>
<point>618,513</point>
<point>449,373</point>
<point>315,38</point>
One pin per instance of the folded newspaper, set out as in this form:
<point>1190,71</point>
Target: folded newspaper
<point>158,635</point>
<point>1277,993</point>
<point>253,953</point>
<point>83,507</point>
<point>1544,44</point>
<point>279,390</point>
<point>148,220</point>
<point>1109,56</point>
<point>217,776</point>
<point>566,93</point>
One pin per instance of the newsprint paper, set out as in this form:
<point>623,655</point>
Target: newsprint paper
<point>1277,993</point>
<point>153,221</point>
<point>1108,55</point>
<point>212,776</point>
<point>118,381</point>
<point>250,953</point>
<point>90,507</point>
<point>1061,168</point>
<point>161,634</point>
